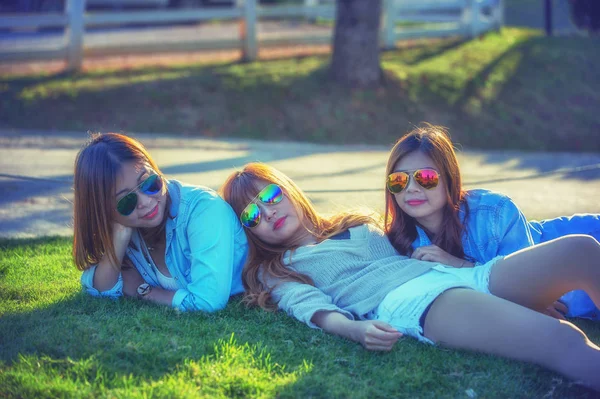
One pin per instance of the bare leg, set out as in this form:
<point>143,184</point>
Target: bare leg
<point>537,276</point>
<point>466,319</point>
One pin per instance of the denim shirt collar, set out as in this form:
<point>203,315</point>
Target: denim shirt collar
<point>422,237</point>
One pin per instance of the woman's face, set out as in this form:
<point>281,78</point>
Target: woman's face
<point>280,224</point>
<point>149,210</point>
<point>426,206</point>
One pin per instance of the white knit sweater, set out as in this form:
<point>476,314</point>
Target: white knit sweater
<point>351,276</point>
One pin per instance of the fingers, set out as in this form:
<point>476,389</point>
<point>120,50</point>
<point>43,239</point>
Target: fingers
<point>428,251</point>
<point>385,326</point>
<point>381,344</point>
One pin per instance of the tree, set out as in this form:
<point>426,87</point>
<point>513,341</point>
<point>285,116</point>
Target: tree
<point>355,61</point>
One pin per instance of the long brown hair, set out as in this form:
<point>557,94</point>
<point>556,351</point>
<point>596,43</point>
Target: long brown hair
<point>96,168</point>
<point>265,261</point>
<point>400,228</point>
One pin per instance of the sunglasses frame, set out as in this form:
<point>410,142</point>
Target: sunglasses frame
<point>253,202</point>
<point>137,188</point>
<point>412,174</point>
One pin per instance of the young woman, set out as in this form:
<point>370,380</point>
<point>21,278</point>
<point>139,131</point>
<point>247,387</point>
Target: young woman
<point>139,234</point>
<point>429,216</point>
<point>342,274</point>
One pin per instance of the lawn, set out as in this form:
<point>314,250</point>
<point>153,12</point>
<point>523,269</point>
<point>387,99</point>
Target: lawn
<point>57,342</point>
<point>510,90</point>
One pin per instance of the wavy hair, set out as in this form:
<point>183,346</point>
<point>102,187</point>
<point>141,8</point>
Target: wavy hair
<point>265,261</point>
<point>400,228</point>
<point>96,168</point>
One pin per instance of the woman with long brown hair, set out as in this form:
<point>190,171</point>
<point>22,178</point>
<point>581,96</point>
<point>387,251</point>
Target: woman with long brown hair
<point>139,234</point>
<point>342,274</point>
<point>430,216</point>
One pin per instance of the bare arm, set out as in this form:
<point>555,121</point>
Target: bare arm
<point>107,273</point>
<point>372,334</point>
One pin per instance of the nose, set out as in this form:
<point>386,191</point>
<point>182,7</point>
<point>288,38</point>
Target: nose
<point>269,212</point>
<point>412,185</point>
<point>143,200</point>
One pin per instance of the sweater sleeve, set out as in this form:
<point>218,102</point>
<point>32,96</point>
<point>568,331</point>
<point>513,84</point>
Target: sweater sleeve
<point>302,301</point>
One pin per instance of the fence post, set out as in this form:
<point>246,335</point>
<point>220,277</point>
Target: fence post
<point>75,10</point>
<point>500,15</point>
<point>248,30</point>
<point>474,22</point>
<point>389,24</point>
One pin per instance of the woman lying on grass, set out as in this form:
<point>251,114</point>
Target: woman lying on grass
<point>429,216</point>
<point>139,234</point>
<point>342,274</point>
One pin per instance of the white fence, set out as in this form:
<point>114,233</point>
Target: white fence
<point>401,19</point>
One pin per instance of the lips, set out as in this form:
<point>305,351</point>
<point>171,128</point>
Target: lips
<point>279,223</point>
<point>152,213</point>
<point>416,202</point>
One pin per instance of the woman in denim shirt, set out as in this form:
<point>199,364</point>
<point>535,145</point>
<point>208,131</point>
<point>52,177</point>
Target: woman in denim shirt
<point>138,234</point>
<point>430,217</point>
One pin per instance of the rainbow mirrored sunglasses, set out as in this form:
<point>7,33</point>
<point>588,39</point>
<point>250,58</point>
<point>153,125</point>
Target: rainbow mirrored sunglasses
<point>153,184</point>
<point>271,194</point>
<point>427,178</point>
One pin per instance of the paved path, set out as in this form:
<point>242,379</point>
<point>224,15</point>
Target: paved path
<point>335,176</point>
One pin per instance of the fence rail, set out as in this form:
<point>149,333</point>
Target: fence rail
<point>453,17</point>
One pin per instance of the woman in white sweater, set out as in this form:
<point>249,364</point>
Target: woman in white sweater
<point>342,274</point>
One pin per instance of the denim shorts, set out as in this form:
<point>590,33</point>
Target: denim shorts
<point>404,306</point>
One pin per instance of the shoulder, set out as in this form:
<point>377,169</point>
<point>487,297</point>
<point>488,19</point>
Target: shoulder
<point>365,230</point>
<point>367,234</point>
<point>482,198</point>
<point>198,199</point>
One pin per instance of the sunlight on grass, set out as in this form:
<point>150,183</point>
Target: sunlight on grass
<point>281,72</point>
<point>238,371</point>
<point>23,267</point>
<point>491,86</point>
<point>449,73</point>
<point>72,87</point>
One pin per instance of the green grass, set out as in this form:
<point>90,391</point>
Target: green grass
<point>58,342</point>
<point>511,90</point>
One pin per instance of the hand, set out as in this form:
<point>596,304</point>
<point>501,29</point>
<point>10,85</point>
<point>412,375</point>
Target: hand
<point>376,335</point>
<point>121,234</point>
<point>433,253</point>
<point>558,310</point>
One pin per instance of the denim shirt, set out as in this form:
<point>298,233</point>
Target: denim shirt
<point>495,226</point>
<point>206,248</point>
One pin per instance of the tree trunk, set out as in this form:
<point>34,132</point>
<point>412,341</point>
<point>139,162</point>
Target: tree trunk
<point>355,60</point>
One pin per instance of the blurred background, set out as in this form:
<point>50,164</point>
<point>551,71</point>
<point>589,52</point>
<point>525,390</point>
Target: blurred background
<point>501,74</point>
